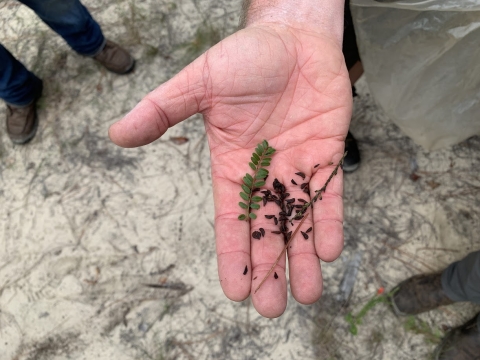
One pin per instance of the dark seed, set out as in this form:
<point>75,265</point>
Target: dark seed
<point>289,201</point>
<point>298,206</point>
<point>278,186</point>
<point>246,270</point>
<point>309,229</point>
<point>257,235</point>
<point>301,174</point>
<point>275,220</point>
<point>302,201</point>
<point>316,165</point>
<point>262,231</point>
<point>275,275</point>
<point>293,182</point>
<point>266,192</point>
<point>278,202</point>
<point>269,216</point>
<point>276,232</point>
<point>255,278</point>
<point>305,236</point>
<point>290,209</point>
<point>303,185</point>
<point>289,235</point>
<point>285,195</point>
<point>264,199</point>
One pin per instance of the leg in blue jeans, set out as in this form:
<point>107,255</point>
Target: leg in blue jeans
<point>72,21</point>
<point>18,86</point>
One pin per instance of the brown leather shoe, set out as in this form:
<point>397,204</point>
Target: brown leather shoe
<point>115,58</point>
<point>418,294</point>
<point>22,123</point>
<point>462,343</point>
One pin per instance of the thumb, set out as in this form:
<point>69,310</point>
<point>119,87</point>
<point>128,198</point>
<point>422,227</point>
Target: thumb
<point>167,105</point>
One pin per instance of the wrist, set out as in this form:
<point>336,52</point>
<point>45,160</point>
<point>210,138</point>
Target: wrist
<point>320,16</point>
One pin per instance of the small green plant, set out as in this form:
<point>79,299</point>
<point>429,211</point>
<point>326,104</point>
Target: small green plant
<point>420,327</point>
<point>355,320</point>
<point>260,159</point>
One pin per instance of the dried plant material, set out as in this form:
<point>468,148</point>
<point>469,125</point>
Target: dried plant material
<point>318,193</point>
<point>414,177</point>
<point>433,184</point>
<point>178,140</point>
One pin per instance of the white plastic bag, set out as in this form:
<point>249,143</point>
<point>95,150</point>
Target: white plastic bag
<point>422,64</point>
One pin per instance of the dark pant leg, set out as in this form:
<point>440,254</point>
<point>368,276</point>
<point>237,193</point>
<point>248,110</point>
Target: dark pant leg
<point>349,46</point>
<point>18,86</point>
<point>72,21</point>
<point>461,280</point>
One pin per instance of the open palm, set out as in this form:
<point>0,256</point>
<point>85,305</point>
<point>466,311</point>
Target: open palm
<point>291,88</point>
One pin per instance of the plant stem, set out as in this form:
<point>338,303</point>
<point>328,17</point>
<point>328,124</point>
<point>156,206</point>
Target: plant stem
<point>281,254</point>
<point>319,192</point>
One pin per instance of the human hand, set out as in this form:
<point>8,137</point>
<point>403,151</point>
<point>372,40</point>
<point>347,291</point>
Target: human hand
<point>274,82</point>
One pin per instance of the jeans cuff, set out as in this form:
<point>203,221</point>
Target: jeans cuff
<point>98,51</point>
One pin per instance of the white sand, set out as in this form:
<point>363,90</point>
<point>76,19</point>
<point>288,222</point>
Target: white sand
<point>85,224</point>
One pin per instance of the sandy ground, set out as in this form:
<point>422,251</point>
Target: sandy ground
<point>85,226</point>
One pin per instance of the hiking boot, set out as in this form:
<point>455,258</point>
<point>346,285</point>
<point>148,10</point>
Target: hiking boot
<point>418,294</point>
<point>352,160</point>
<point>461,343</point>
<point>115,58</point>
<point>22,121</point>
